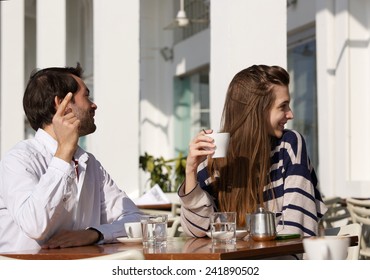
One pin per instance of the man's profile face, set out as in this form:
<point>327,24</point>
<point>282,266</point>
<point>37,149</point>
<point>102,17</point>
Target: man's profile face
<point>83,108</point>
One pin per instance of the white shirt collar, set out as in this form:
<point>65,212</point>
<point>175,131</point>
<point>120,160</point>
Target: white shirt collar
<point>51,145</point>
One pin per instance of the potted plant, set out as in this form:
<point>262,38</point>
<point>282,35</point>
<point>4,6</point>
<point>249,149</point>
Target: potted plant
<point>168,174</point>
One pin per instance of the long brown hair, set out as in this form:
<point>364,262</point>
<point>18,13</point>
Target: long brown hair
<point>244,173</point>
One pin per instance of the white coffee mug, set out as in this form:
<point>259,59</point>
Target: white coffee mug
<point>221,140</point>
<point>326,247</point>
<point>133,230</point>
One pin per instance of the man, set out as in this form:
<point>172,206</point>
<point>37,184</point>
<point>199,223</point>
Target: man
<point>47,199</point>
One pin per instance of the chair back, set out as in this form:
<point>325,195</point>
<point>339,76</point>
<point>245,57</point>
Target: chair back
<point>354,229</point>
<point>176,229</point>
<point>337,214</point>
<point>360,213</point>
<point>176,209</point>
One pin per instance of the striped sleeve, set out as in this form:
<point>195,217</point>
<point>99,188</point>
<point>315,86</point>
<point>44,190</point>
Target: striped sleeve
<point>295,187</point>
<point>197,206</point>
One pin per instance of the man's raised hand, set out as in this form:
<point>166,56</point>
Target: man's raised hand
<point>66,127</point>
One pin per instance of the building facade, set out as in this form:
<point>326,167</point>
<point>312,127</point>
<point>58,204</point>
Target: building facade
<point>158,81</point>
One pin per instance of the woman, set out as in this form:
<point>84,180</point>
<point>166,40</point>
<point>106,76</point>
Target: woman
<point>266,165</point>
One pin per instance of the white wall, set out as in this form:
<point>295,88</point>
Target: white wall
<point>325,93</point>
<point>342,31</point>
<point>156,82</point>
<point>11,73</point>
<point>156,85</point>
<point>116,90</point>
<point>51,33</point>
<point>243,34</point>
<point>359,96</point>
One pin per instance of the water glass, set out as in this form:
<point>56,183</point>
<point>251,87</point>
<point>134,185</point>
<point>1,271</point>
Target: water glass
<point>223,227</point>
<point>154,230</point>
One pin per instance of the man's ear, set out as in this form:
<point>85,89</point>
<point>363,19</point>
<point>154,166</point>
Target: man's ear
<point>57,102</point>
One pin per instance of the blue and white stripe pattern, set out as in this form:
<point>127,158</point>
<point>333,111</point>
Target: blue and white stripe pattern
<point>293,191</point>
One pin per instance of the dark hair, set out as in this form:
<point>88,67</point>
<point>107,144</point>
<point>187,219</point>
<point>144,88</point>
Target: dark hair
<point>42,88</point>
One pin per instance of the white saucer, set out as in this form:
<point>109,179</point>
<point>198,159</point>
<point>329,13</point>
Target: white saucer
<point>220,235</point>
<point>129,240</point>
<point>239,234</point>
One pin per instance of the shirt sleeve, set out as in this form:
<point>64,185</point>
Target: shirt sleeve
<point>35,201</point>
<point>116,208</point>
<point>297,189</point>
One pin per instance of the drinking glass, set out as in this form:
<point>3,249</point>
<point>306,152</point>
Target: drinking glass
<point>223,227</point>
<point>154,230</point>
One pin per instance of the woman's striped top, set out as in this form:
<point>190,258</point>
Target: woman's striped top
<point>293,183</point>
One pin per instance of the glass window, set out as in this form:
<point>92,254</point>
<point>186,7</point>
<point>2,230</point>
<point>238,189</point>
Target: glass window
<point>191,108</point>
<point>302,70</point>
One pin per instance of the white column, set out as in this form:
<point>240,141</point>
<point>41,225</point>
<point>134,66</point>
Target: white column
<point>326,64</point>
<point>116,90</point>
<point>242,34</point>
<point>359,97</point>
<point>341,113</point>
<point>343,68</point>
<point>11,73</point>
<point>51,33</point>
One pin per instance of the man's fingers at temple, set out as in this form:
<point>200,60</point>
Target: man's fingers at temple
<point>63,105</point>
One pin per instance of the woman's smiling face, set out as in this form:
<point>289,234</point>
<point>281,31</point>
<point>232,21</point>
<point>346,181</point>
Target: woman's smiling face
<point>280,111</point>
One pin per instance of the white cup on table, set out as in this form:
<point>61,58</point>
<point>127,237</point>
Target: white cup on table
<point>133,230</point>
<point>326,247</point>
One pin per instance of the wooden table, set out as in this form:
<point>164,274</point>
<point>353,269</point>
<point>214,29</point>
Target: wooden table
<point>178,248</point>
<point>156,208</point>
<point>166,206</point>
